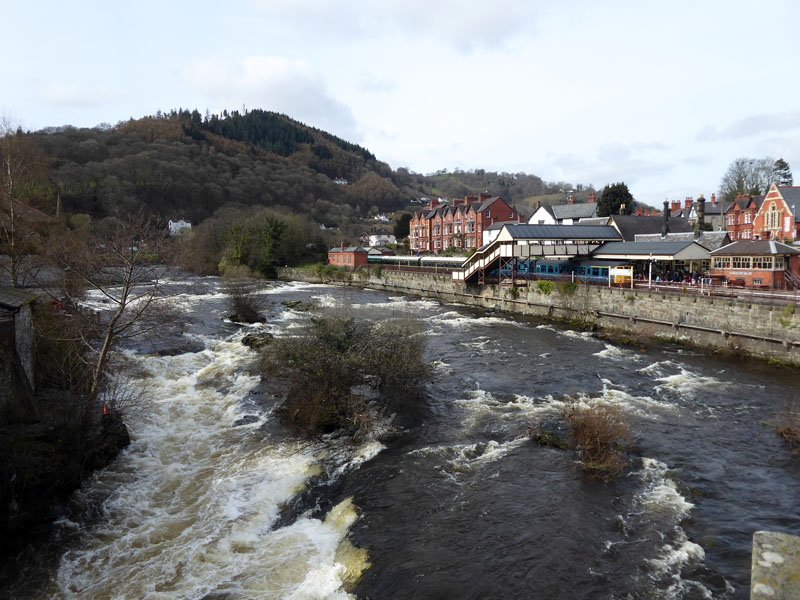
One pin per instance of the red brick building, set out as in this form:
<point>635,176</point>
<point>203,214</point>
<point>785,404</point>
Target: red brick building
<point>757,263</point>
<point>778,217</point>
<point>459,225</point>
<point>741,217</point>
<point>350,257</point>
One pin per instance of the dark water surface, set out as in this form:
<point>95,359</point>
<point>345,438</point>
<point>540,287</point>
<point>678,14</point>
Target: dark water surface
<point>459,505</point>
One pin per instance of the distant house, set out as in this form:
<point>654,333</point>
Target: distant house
<point>740,216</point>
<point>757,263</point>
<point>340,181</point>
<point>350,257</point>
<point>176,227</point>
<point>564,214</point>
<point>381,238</point>
<point>457,225</point>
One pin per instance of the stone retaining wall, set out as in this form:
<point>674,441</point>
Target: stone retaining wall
<point>767,331</point>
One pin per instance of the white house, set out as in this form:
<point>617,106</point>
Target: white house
<point>176,226</point>
<point>563,214</point>
<point>382,238</point>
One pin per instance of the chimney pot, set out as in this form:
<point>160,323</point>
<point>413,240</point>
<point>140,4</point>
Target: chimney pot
<point>591,197</point>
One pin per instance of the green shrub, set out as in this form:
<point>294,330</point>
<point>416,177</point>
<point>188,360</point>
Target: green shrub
<point>340,372</point>
<point>545,287</point>
<point>567,288</point>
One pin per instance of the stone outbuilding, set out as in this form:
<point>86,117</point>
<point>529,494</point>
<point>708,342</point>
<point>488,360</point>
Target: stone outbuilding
<point>350,257</point>
<point>16,352</point>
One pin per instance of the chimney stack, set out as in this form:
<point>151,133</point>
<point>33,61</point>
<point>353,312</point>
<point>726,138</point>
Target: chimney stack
<point>591,197</point>
<point>638,212</point>
<point>713,199</point>
<point>571,199</point>
<point>622,208</point>
<point>701,212</point>
<point>676,206</point>
<point>434,203</point>
<point>665,223</point>
<point>688,203</point>
<point>342,246</point>
<point>538,204</point>
<point>484,196</point>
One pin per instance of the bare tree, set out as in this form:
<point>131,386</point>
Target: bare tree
<point>124,269</point>
<point>751,176</point>
<point>22,165</point>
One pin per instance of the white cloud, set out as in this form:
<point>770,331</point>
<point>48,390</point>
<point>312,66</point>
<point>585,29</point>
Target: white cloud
<point>272,83</point>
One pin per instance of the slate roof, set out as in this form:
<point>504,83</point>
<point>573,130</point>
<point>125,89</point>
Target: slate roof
<point>642,248</point>
<point>348,249</point>
<point>595,221</point>
<point>711,240</point>
<point>13,299</point>
<point>574,211</point>
<point>562,232</point>
<point>756,248</point>
<point>630,225</point>
<point>792,197</point>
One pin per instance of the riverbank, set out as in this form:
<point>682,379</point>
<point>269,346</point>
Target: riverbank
<point>727,326</point>
<point>42,464</point>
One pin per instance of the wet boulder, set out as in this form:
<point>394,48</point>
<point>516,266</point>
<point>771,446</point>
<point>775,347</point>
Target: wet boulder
<point>256,341</point>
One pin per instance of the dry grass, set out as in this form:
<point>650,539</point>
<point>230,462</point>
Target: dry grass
<point>789,428</point>
<point>600,433</point>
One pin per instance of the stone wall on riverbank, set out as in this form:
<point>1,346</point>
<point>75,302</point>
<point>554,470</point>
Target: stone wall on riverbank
<point>764,330</point>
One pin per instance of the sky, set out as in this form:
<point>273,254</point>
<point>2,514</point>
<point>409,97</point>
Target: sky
<point>662,95</point>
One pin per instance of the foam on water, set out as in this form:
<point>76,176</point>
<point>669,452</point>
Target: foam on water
<point>189,508</point>
<point>617,353</point>
<point>659,508</point>
<point>686,383</point>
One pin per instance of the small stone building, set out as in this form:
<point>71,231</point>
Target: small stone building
<point>350,257</point>
<point>16,353</point>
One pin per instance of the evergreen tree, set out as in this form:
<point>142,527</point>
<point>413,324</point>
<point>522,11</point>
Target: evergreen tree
<point>782,173</point>
<point>612,197</point>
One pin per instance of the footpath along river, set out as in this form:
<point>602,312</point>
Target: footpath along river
<point>215,500</point>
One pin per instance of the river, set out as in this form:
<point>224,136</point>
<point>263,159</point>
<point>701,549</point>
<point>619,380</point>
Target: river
<point>215,500</point>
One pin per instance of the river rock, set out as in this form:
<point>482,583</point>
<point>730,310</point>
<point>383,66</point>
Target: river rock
<point>256,341</point>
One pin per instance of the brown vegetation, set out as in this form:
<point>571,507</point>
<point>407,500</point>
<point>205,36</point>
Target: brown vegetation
<point>789,428</point>
<point>600,433</point>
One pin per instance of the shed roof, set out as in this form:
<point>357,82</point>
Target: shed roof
<point>561,232</point>
<point>630,225</point>
<point>756,248</point>
<point>710,240</point>
<point>13,299</point>
<point>348,249</point>
<point>688,250</point>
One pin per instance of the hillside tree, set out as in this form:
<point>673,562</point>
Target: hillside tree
<point>612,198</point>
<point>22,167</point>
<point>782,173</point>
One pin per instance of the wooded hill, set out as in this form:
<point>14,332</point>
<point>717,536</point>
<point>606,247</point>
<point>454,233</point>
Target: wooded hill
<point>184,165</point>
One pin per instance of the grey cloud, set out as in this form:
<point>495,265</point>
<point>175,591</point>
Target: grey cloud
<point>448,22</point>
<point>273,83</point>
<point>752,125</point>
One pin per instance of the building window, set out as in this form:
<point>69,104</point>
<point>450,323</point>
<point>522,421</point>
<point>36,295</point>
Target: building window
<point>756,282</point>
<point>772,217</point>
<point>779,266</point>
<point>748,217</point>
<point>762,262</point>
<point>731,220</point>
<point>741,262</point>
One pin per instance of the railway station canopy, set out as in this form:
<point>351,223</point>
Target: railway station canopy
<point>663,251</point>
